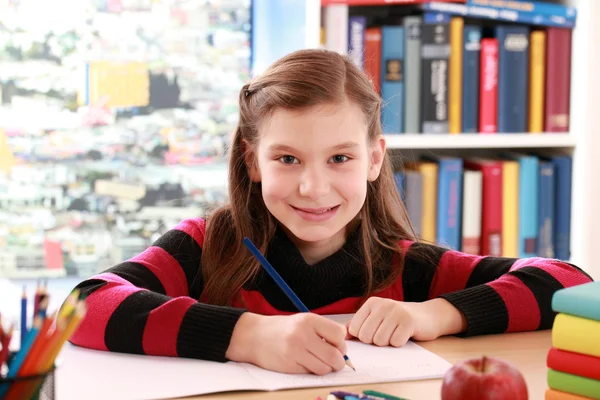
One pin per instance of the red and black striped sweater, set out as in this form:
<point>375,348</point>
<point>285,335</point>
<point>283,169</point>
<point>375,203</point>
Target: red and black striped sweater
<point>148,304</point>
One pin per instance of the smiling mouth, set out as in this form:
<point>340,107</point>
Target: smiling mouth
<point>315,211</point>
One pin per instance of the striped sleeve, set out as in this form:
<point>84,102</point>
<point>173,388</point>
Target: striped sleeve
<point>147,305</point>
<point>495,295</point>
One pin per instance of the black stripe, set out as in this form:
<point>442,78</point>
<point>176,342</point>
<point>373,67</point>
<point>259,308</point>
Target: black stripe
<point>89,286</point>
<point>483,308</point>
<point>185,250</point>
<point>138,275</point>
<point>420,263</point>
<point>125,328</point>
<point>489,269</point>
<point>542,285</point>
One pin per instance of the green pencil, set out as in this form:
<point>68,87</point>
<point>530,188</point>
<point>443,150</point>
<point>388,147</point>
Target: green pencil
<point>381,395</point>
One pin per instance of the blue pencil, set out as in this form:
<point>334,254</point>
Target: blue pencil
<point>23,315</point>
<point>282,284</point>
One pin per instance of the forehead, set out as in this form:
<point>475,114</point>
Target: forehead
<point>320,126</point>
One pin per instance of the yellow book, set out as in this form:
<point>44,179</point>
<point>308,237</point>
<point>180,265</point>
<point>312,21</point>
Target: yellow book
<point>7,159</point>
<point>429,170</point>
<point>510,208</point>
<point>537,70</point>
<point>576,334</point>
<point>456,70</point>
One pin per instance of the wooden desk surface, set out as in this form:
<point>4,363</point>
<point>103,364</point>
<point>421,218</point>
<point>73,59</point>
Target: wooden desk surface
<point>526,350</point>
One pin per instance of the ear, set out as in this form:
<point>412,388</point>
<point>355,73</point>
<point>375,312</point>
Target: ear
<point>251,161</point>
<point>377,152</point>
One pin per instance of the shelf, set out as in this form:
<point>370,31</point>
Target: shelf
<point>479,141</point>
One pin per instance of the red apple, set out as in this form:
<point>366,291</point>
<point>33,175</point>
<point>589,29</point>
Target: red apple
<point>484,378</point>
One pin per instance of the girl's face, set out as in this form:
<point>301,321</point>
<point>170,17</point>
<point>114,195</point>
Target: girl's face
<point>314,166</point>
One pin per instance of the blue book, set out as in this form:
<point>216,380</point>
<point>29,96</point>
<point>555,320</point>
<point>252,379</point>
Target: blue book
<point>399,180</point>
<point>581,300</point>
<point>538,16</point>
<point>470,76</point>
<point>562,207</point>
<point>449,213</point>
<point>546,210</point>
<point>528,205</point>
<point>513,77</point>
<point>356,39</point>
<point>392,79</point>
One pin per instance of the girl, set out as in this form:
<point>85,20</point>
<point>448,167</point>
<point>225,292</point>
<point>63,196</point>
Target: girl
<point>312,186</point>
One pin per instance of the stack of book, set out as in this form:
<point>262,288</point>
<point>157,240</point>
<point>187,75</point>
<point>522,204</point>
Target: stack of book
<point>574,359</point>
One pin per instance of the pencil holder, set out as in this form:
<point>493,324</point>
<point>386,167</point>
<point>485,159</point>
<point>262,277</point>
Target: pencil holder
<point>34,387</point>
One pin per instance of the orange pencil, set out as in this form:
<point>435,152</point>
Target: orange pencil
<point>36,350</point>
<point>73,324</point>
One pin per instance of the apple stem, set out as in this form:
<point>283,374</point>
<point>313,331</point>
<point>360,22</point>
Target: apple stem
<point>483,360</point>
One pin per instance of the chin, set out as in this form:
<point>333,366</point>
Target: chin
<point>313,233</point>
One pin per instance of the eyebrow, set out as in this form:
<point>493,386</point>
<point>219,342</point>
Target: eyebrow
<point>341,146</point>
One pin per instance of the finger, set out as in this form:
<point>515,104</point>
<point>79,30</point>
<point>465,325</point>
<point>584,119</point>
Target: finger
<point>348,335</point>
<point>326,352</point>
<point>313,364</point>
<point>369,327</point>
<point>384,333</point>
<point>400,336</point>
<point>359,319</point>
<point>334,333</point>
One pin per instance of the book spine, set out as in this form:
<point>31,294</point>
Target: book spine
<point>558,82</point>
<point>510,208</point>
<point>435,54</point>
<point>513,70</point>
<point>537,65</point>
<point>357,25</point>
<point>455,82</point>
<point>546,210</point>
<point>488,111</point>
<point>392,79</point>
<point>528,205</point>
<point>471,213</point>
<point>470,93</point>
<point>336,28</point>
<point>414,199</point>
<point>533,7</point>
<point>449,202</point>
<point>499,14</point>
<point>412,109</point>
<point>562,209</point>
<point>372,58</point>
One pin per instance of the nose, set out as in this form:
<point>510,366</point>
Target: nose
<point>314,184</point>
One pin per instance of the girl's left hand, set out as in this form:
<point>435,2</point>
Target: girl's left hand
<point>386,322</point>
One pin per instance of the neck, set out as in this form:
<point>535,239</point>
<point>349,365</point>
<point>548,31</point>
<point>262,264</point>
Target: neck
<point>313,252</point>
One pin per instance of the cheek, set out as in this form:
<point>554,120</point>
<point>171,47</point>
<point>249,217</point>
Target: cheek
<point>276,185</point>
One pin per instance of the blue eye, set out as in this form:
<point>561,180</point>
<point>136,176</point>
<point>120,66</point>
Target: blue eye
<point>288,159</point>
<point>339,158</point>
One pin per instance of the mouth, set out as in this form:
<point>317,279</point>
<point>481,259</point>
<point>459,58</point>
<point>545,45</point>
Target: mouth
<point>316,211</point>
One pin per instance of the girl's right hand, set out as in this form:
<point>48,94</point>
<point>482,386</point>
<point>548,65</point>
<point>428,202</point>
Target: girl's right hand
<point>299,343</point>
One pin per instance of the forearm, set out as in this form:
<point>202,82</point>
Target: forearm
<point>447,318</point>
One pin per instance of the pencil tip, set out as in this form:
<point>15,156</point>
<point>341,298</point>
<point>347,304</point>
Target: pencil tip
<point>349,363</point>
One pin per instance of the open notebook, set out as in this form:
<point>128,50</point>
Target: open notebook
<point>90,374</point>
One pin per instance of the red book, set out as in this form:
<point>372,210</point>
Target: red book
<point>372,55</point>
<point>384,2</point>
<point>491,205</point>
<point>574,363</point>
<point>558,79</point>
<point>488,86</point>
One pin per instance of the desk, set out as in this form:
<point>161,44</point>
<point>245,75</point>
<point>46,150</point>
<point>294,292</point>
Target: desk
<point>527,351</point>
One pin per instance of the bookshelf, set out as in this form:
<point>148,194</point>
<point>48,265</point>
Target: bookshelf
<point>582,141</point>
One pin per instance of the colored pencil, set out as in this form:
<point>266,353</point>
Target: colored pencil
<point>282,284</point>
<point>23,314</point>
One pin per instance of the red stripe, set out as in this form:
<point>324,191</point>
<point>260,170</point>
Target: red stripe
<point>521,305</point>
<point>452,272</point>
<point>166,269</point>
<point>195,227</point>
<point>101,304</point>
<point>162,327</point>
<point>562,272</point>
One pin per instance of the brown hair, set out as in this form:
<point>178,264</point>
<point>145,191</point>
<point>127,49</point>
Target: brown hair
<point>301,79</point>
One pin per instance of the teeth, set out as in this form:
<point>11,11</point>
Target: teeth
<point>321,212</point>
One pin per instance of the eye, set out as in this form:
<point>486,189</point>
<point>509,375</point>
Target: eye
<point>288,159</point>
<point>339,158</point>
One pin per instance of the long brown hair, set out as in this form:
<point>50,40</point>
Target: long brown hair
<point>299,80</point>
